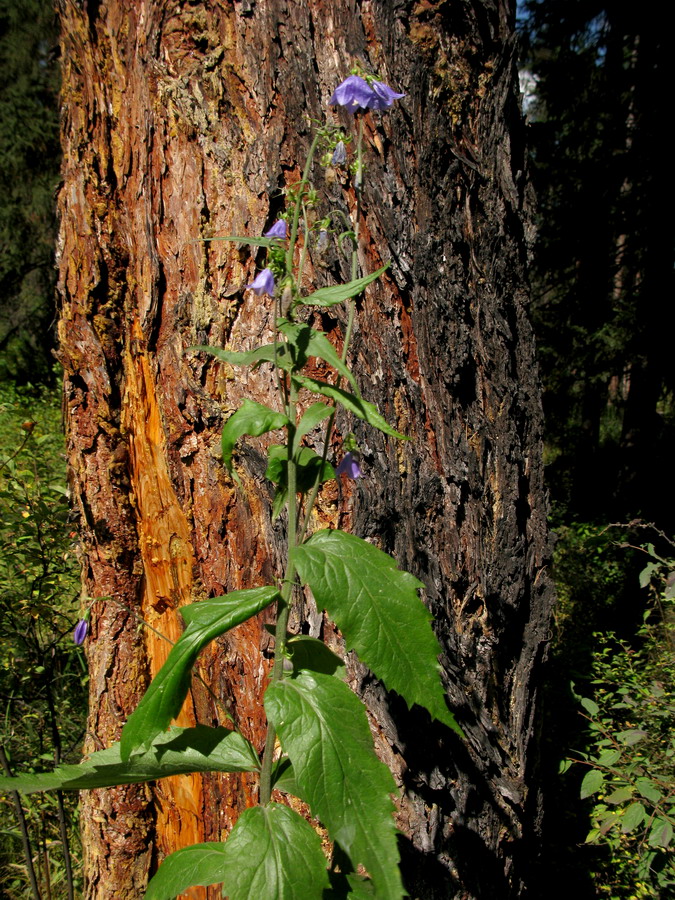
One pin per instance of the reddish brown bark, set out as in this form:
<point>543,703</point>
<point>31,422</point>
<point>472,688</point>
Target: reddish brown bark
<point>185,119</point>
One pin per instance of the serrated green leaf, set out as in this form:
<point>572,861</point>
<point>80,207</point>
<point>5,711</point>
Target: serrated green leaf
<point>648,789</point>
<point>661,833</point>
<point>206,620</point>
<point>590,706</point>
<point>178,751</point>
<point>310,342</point>
<point>271,852</point>
<point>351,402</point>
<point>309,653</point>
<point>591,784</point>
<point>376,607</point>
<point>329,296</point>
<point>251,418</point>
<point>323,728</point>
<point>632,817</point>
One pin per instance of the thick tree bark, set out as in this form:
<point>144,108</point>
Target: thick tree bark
<point>182,120</point>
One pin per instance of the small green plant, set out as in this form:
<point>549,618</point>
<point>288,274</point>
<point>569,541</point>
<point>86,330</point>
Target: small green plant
<point>326,757</point>
<point>42,673</point>
<point>630,754</point>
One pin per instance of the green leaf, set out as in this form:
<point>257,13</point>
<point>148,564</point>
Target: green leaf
<point>632,736</point>
<point>609,757</point>
<point>591,784</point>
<point>633,816</point>
<point>239,239</point>
<point>351,402</point>
<point>244,358</point>
<point>648,789</point>
<point>316,413</point>
<point>661,833</point>
<point>271,852</point>
<point>329,296</point>
<point>309,653</point>
<point>179,751</point>
<point>308,465</point>
<point>283,777</point>
<point>377,609</point>
<point>647,574</point>
<point>200,864</point>
<point>323,728</point>
<point>590,706</point>
<point>620,795</point>
<point>206,620</point>
<point>310,342</point>
<point>251,418</point>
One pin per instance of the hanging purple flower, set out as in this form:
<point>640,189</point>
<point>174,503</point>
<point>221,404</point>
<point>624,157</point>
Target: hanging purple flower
<point>350,466</point>
<point>339,157</point>
<point>263,283</point>
<point>278,230</point>
<point>384,96</point>
<point>80,632</point>
<point>355,92</point>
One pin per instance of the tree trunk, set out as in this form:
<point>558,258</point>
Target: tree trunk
<point>182,120</point>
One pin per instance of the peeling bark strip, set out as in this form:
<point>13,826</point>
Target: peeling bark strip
<point>182,120</point>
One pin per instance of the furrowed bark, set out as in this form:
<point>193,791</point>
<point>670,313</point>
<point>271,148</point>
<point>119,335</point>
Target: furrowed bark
<point>183,121</point>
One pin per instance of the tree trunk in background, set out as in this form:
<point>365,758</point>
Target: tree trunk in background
<point>181,120</point>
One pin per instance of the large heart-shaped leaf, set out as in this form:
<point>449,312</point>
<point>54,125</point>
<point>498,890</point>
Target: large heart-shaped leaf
<point>377,609</point>
<point>206,620</point>
<point>271,852</point>
<point>323,728</point>
<point>179,751</point>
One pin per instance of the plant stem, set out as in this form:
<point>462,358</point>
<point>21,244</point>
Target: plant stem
<point>284,605</point>
<point>298,205</point>
<point>23,828</point>
<point>348,336</point>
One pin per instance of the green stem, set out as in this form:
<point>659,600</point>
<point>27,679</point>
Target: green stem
<point>348,337</point>
<point>284,604</point>
<point>298,205</point>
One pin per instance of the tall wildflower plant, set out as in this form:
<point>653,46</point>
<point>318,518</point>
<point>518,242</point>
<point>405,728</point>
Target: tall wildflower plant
<point>318,745</point>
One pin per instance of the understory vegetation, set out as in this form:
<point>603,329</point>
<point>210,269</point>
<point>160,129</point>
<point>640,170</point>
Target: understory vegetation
<point>43,675</point>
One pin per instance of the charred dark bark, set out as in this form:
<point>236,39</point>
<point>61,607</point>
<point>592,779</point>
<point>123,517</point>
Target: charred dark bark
<point>182,120</point>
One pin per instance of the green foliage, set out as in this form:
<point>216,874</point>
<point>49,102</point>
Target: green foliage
<point>42,674</point>
<point>323,728</point>
<point>265,845</point>
<point>328,758</point>
<point>329,296</point>
<point>178,751</point>
<point>29,173</point>
<point>377,609</point>
<point>163,699</point>
<point>630,752</point>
